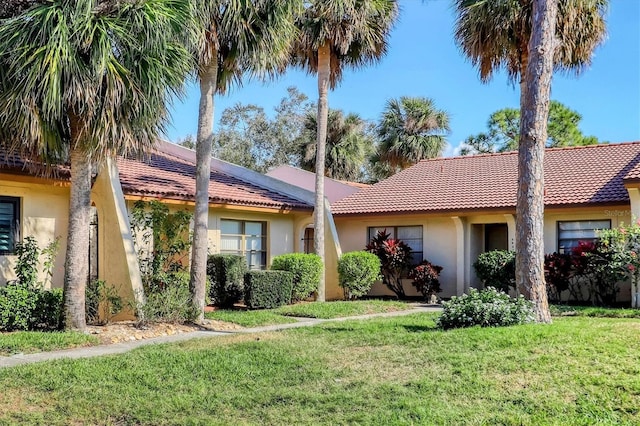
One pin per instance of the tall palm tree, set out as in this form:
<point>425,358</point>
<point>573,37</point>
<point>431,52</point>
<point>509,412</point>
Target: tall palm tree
<point>89,79</point>
<point>497,34</point>
<point>348,145</point>
<point>411,129</point>
<point>335,35</point>
<point>236,37</point>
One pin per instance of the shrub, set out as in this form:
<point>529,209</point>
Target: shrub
<point>49,312</point>
<point>29,253</point>
<point>171,303</point>
<point>226,272</point>
<point>497,268</point>
<point>357,272</point>
<point>487,308</point>
<point>558,274</point>
<point>25,308</point>
<point>425,278</point>
<point>17,306</point>
<point>267,289</point>
<point>395,260</point>
<point>102,302</point>
<point>306,270</point>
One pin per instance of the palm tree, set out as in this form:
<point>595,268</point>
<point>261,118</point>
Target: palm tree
<point>335,35</point>
<point>89,80</point>
<point>235,38</point>
<point>497,34</point>
<point>348,145</point>
<point>411,129</point>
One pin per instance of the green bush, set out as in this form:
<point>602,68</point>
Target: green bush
<point>25,308</point>
<point>171,303</point>
<point>267,289</point>
<point>486,308</point>
<point>226,272</point>
<point>49,312</point>
<point>357,271</point>
<point>497,269</point>
<point>306,270</point>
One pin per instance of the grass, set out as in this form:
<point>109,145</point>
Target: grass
<point>248,318</point>
<point>339,309</point>
<point>35,341</point>
<point>577,371</point>
<point>592,311</point>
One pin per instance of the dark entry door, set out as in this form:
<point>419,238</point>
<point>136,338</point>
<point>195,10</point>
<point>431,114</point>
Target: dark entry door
<point>496,237</point>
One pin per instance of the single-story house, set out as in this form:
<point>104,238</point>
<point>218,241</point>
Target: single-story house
<point>249,213</point>
<point>449,210</point>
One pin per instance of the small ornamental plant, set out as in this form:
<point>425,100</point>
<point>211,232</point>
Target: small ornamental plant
<point>486,308</point>
<point>425,278</point>
<point>395,260</point>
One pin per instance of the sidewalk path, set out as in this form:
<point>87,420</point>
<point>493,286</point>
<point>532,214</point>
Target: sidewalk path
<point>119,348</point>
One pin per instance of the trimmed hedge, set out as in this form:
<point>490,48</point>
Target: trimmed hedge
<point>26,308</point>
<point>226,272</point>
<point>357,271</point>
<point>306,269</point>
<point>267,289</point>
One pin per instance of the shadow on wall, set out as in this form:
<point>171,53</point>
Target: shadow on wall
<point>6,269</point>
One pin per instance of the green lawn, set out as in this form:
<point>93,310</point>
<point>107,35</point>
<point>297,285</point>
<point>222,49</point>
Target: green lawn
<point>578,371</point>
<point>593,311</point>
<point>339,309</point>
<point>248,318</point>
<point>35,341</point>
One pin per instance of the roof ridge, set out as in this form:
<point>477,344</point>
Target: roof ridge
<point>514,152</point>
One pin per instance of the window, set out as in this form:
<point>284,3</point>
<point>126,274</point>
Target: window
<point>412,235</point>
<point>9,224</point>
<point>571,233</point>
<point>245,238</point>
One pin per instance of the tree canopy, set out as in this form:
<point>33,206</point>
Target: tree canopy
<point>503,131</point>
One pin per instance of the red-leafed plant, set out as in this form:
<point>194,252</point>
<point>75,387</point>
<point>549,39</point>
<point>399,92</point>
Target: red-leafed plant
<point>395,260</point>
<point>425,278</point>
<point>558,273</point>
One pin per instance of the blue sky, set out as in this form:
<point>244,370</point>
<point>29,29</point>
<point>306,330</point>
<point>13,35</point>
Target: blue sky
<point>424,61</point>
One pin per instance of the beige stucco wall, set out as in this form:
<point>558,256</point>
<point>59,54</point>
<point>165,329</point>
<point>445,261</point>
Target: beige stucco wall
<point>43,215</point>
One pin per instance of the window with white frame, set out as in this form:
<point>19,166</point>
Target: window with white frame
<point>245,238</point>
<point>570,234</point>
<point>9,224</point>
<point>411,235</point>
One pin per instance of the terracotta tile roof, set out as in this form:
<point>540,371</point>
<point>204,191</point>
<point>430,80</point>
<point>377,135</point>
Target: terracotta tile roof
<point>573,176</point>
<point>166,176</point>
<point>14,163</point>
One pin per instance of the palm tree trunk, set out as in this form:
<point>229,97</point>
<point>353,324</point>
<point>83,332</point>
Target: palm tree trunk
<point>534,105</point>
<point>76,266</point>
<point>208,77</point>
<point>321,142</point>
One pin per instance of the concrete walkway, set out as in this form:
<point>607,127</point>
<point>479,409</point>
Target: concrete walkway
<point>119,348</point>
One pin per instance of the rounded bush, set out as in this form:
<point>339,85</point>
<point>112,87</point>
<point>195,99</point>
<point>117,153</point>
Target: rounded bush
<point>306,270</point>
<point>357,271</point>
<point>497,268</point>
<point>487,308</point>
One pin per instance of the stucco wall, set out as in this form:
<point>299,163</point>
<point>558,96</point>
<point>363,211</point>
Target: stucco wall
<point>43,215</point>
